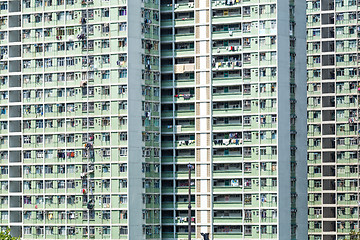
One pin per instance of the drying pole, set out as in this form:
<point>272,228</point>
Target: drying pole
<point>190,167</point>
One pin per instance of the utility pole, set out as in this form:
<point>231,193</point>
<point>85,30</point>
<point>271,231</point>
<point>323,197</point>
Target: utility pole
<point>190,167</point>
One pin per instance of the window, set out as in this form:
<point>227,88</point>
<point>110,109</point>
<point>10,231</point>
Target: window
<point>48,184</point>
<point>70,61</point>
<point>273,150</point>
<point>106,230</point>
<point>122,12</point>
<point>123,151</point>
<point>263,151</point>
<point>60,62</point>
<point>122,167</point>
<point>105,74</point>
<point>123,231</point>
<point>27,139</point>
<point>122,199</point>
<point>27,230</point>
<point>123,183</point>
<point>61,184</point>
<point>49,230</point>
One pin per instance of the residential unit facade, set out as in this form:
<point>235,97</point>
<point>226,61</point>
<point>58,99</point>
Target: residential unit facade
<point>104,103</point>
<point>333,87</point>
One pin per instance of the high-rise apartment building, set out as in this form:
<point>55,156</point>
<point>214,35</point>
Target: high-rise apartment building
<point>233,104</point>
<point>73,114</point>
<point>333,112</point>
<point>104,103</point>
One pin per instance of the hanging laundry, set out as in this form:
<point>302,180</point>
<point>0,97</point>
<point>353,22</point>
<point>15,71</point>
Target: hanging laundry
<point>235,182</point>
<point>187,96</point>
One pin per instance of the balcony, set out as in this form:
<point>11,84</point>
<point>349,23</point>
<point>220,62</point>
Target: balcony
<point>227,220</point>
<point>226,234</point>
<point>227,158</point>
<point>226,173</point>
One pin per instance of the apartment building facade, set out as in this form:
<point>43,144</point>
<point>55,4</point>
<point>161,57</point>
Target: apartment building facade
<point>333,87</point>
<point>233,95</point>
<point>69,98</point>
<point>105,103</point>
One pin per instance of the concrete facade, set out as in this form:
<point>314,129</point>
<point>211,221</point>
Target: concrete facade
<point>104,103</point>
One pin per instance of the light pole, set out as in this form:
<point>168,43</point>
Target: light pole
<point>190,167</point>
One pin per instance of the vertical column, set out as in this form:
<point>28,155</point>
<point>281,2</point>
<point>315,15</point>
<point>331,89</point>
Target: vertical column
<point>300,96</point>
<point>15,140</point>
<point>283,111</point>
<point>203,117</point>
<point>135,148</point>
